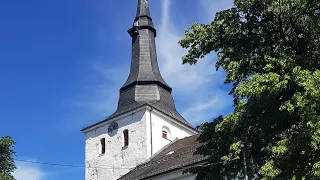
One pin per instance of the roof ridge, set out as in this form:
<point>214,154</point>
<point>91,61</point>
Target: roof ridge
<point>165,158</point>
<point>173,167</point>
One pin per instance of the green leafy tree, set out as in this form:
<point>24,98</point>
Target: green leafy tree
<point>6,158</point>
<point>270,50</point>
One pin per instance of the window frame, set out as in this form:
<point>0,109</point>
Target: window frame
<point>164,134</point>
<point>125,138</point>
<point>102,146</point>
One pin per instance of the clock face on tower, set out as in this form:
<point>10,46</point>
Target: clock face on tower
<point>112,128</point>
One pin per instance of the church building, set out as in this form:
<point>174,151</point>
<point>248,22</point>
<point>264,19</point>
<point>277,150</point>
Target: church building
<point>146,137</point>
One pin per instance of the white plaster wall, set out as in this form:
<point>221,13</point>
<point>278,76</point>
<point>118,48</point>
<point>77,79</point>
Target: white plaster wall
<point>116,161</point>
<point>158,121</point>
<point>176,175</point>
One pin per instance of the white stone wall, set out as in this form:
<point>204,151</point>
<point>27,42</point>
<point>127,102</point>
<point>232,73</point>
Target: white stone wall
<point>117,160</point>
<point>158,121</point>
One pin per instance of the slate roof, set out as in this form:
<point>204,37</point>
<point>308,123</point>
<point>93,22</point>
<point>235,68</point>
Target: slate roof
<point>145,85</point>
<point>176,155</point>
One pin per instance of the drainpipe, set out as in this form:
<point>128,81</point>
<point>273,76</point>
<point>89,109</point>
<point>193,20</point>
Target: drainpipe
<point>151,132</point>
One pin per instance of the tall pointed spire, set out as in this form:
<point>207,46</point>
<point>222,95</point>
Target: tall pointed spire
<point>145,85</point>
<point>143,8</point>
<point>144,64</point>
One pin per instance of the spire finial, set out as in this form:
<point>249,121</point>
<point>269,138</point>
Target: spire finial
<point>143,8</point>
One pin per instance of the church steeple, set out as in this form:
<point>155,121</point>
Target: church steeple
<point>144,65</point>
<point>145,85</point>
<point>143,9</point>
<point>146,118</point>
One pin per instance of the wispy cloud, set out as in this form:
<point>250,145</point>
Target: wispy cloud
<point>197,88</point>
<point>27,171</point>
<point>183,78</point>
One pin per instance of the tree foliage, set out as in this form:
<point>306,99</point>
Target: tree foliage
<point>6,158</point>
<point>270,50</point>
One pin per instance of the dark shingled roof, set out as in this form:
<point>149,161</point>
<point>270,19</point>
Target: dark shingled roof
<point>145,85</point>
<point>176,155</point>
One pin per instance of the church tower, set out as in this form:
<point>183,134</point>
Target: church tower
<point>146,119</point>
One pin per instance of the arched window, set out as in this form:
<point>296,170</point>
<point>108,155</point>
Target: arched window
<point>126,137</point>
<point>166,132</point>
<point>103,145</point>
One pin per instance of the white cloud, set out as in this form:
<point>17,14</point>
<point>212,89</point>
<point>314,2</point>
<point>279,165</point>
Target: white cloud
<point>28,171</point>
<point>183,78</point>
<point>196,87</point>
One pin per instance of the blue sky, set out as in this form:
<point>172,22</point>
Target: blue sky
<point>63,61</point>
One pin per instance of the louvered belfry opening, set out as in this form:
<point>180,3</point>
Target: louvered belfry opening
<point>145,84</point>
